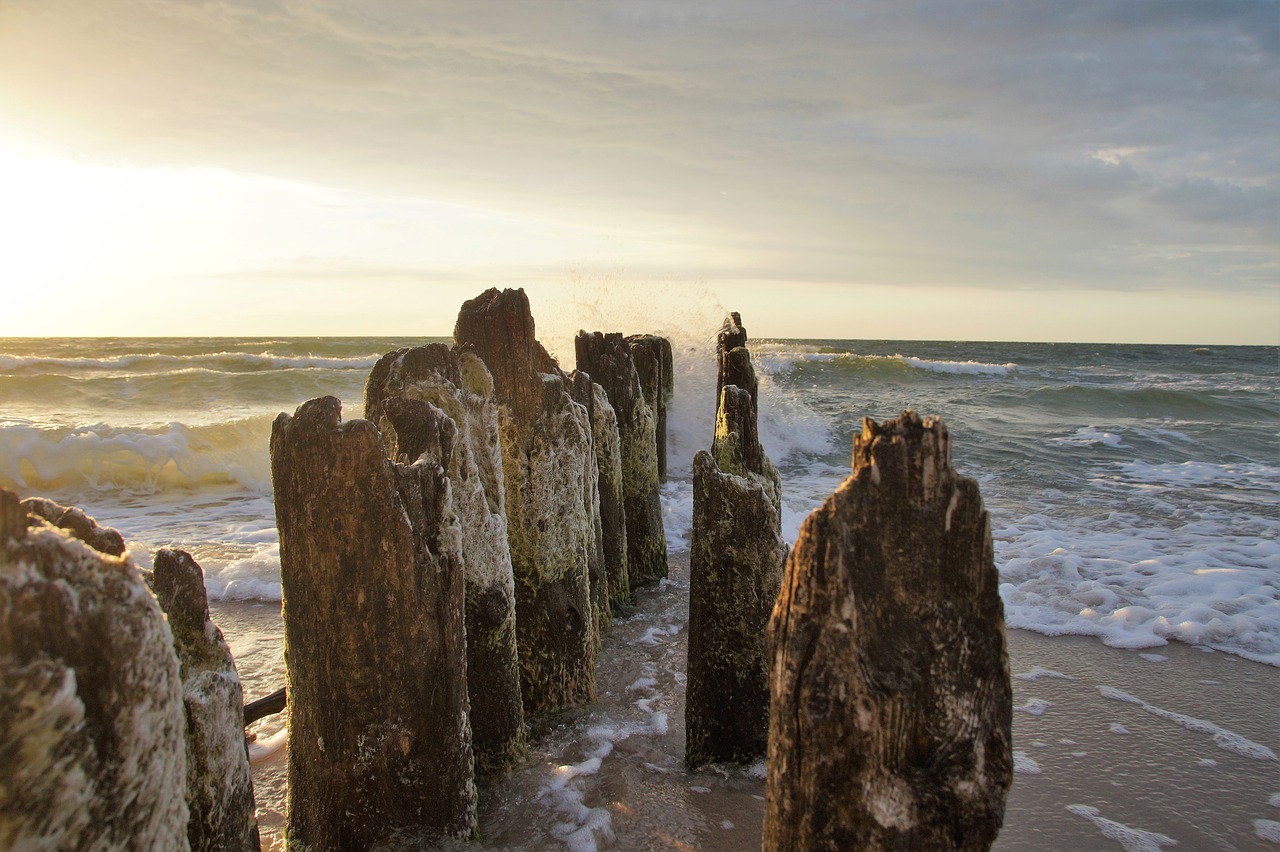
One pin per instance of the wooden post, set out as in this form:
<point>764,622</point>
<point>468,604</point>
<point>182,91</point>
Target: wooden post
<point>736,557</point>
<point>91,721</point>
<point>608,360</point>
<point>891,700</point>
<point>548,462</point>
<point>406,391</point>
<point>372,575</point>
<point>219,782</point>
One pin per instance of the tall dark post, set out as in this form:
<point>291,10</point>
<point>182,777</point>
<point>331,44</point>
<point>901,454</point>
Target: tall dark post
<point>736,557</point>
<point>548,463</point>
<point>891,700</point>
<point>372,575</point>
<point>405,395</point>
<point>608,360</point>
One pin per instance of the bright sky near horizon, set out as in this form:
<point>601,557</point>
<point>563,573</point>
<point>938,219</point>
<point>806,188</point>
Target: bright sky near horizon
<point>951,169</point>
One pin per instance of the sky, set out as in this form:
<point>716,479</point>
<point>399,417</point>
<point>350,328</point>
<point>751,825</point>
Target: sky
<point>960,169</point>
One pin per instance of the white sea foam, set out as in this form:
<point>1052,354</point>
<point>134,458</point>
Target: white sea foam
<point>1267,829</point>
<point>1153,658</point>
<point>1140,586</point>
<point>677,513</point>
<point>1131,839</point>
<point>262,749</point>
<point>1038,672</point>
<point>1225,739</point>
<point>1088,436</point>
<point>1240,475</point>
<point>969,368</point>
<point>1025,765</point>
<point>1034,707</point>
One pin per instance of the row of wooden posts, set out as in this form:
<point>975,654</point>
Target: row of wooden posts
<point>449,563</point>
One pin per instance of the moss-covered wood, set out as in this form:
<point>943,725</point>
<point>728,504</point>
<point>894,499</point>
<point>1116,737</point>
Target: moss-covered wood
<point>736,558</point>
<point>371,567</point>
<point>656,367</point>
<point>91,719</point>
<point>608,360</point>
<point>736,563</point>
<point>402,388</point>
<point>891,701</point>
<point>582,389</point>
<point>548,464</point>
<point>219,784</point>
<point>613,520</point>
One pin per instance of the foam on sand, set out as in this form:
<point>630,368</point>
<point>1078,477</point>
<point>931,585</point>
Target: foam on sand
<point>1038,672</point>
<point>1228,740</point>
<point>1132,839</point>
<point>1025,765</point>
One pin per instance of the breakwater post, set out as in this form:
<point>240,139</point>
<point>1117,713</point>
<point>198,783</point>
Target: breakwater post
<point>608,359</point>
<point>602,420</point>
<point>401,391</point>
<point>548,464</point>
<point>736,558</point>
<point>656,366</point>
<point>891,699</point>
<point>219,783</point>
<point>372,575</point>
<point>91,718</point>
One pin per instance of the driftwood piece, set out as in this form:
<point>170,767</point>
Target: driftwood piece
<point>736,558</point>
<point>405,391</point>
<point>268,705</point>
<point>548,464</point>
<point>379,749</point>
<point>891,700</point>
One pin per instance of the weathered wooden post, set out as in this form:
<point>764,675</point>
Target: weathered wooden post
<point>613,517</point>
<point>548,463</point>
<point>91,719</point>
<point>402,389</point>
<point>583,391</point>
<point>736,558</point>
<point>891,700</point>
<point>607,358</point>
<point>219,783</point>
<point>372,575</point>
<point>656,367</point>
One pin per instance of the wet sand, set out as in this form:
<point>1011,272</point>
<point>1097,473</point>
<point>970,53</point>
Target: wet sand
<point>611,774</point>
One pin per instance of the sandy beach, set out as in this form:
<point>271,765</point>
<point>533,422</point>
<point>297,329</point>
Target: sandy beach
<point>1191,763</point>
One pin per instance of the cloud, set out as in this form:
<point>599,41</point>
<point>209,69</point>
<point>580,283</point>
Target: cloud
<point>936,143</point>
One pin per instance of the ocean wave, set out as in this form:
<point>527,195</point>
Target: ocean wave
<point>967,368</point>
<point>777,360</point>
<point>102,458</point>
<point>1202,473</point>
<point>1097,400</point>
<point>159,362</point>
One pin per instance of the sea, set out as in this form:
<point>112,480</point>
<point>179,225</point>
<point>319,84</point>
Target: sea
<point>1134,490</point>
